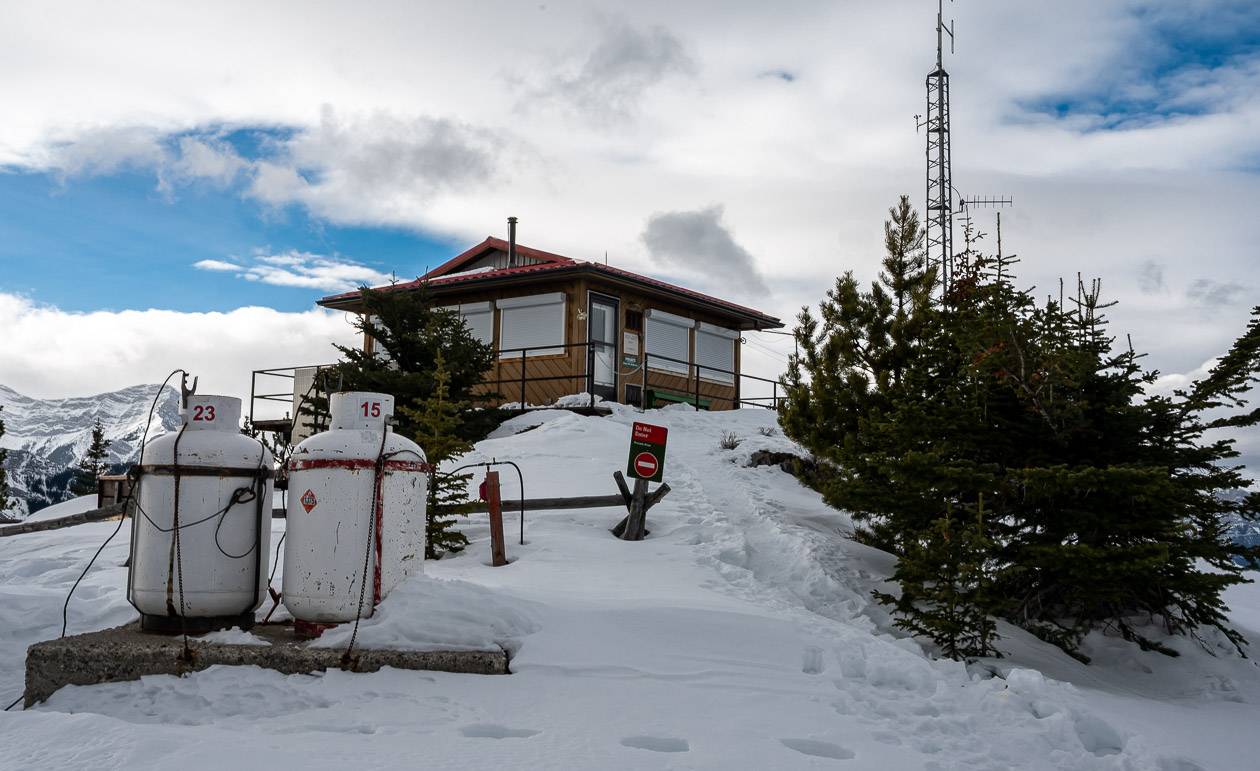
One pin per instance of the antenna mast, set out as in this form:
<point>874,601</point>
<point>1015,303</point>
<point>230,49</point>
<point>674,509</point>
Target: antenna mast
<point>940,189</point>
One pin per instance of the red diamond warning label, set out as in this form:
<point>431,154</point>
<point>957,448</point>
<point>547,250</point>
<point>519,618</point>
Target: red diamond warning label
<point>308,500</point>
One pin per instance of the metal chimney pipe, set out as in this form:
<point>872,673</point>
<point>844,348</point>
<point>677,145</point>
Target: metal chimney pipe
<point>511,242</point>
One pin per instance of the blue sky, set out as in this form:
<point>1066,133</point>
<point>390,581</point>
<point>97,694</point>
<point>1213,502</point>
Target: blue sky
<point>116,241</point>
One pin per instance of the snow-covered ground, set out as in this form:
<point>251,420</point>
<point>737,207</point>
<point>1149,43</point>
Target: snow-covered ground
<point>741,634</point>
<point>64,509</point>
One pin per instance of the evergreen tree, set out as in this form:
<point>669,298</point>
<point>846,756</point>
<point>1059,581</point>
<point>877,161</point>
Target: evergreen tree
<point>94,462</point>
<point>5,500</point>
<point>1103,502</point>
<point>436,419</point>
<point>945,587</point>
<point>409,334</point>
<point>851,361</point>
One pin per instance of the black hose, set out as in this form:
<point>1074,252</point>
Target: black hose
<point>144,438</point>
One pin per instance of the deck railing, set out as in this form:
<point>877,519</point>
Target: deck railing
<point>701,384</point>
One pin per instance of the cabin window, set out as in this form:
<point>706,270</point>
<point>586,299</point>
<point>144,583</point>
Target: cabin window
<point>715,348</point>
<point>479,317</point>
<point>534,322</point>
<point>667,341</point>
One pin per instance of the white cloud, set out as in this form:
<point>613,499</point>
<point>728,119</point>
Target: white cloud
<point>375,168</point>
<point>219,265</point>
<point>106,350</point>
<point>378,127</point>
<point>700,245</point>
<point>207,158</point>
<point>606,83</point>
<point>301,269</point>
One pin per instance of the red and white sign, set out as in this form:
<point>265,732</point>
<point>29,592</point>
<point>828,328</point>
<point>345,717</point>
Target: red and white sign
<point>647,452</point>
<point>646,432</point>
<point>308,501</point>
<point>645,463</point>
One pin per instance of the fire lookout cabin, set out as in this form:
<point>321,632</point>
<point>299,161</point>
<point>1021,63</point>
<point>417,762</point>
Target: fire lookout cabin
<point>563,326</point>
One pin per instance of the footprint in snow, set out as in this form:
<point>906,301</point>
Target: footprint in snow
<point>818,749</point>
<point>812,660</point>
<point>656,743</point>
<point>494,731</point>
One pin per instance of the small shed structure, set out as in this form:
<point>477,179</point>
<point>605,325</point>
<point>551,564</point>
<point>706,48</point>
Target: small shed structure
<point>563,326</point>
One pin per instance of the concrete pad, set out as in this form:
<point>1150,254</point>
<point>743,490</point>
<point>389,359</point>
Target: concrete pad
<point>126,653</point>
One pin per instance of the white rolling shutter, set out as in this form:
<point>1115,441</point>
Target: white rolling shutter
<point>378,350</point>
<point>531,322</point>
<point>667,335</point>
<point>715,347</point>
<point>479,317</point>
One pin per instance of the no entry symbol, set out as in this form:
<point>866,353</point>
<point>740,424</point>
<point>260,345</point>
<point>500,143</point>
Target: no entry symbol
<point>645,463</point>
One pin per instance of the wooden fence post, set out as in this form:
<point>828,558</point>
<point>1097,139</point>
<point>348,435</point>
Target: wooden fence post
<point>490,491</point>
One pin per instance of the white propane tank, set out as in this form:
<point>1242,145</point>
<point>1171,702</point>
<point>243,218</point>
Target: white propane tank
<point>218,483</point>
<point>344,514</point>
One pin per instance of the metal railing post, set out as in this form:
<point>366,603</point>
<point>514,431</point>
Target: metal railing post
<point>697,404</point>
<point>774,400</point>
<point>643,388</point>
<point>590,372</point>
<point>523,350</point>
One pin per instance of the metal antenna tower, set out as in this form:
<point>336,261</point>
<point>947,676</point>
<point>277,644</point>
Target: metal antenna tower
<point>940,189</point>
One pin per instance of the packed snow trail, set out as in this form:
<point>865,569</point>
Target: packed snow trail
<point>740,634</point>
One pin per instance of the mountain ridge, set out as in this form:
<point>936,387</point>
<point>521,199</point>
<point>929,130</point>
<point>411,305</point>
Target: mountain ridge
<point>46,438</point>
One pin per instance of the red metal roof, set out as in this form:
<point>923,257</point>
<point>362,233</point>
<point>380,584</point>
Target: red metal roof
<point>551,262</point>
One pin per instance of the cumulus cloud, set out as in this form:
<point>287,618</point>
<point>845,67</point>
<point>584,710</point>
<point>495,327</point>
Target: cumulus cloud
<point>375,167</point>
<point>1151,277</point>
<point>102,150</point>
<point>207,158</point>
<point>698,243</point>
<point>301,269</point>
<point>173,159</point>
<point>106,350</point>
<point>1213,294</point>
<point>609,82</point>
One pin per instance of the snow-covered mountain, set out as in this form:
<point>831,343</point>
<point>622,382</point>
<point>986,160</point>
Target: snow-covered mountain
<point>46,438</point>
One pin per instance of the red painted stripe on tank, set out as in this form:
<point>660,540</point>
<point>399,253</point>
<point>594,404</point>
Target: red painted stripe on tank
<point>359,463</point>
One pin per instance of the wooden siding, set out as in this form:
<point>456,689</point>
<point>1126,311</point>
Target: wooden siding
<point>566,373</point>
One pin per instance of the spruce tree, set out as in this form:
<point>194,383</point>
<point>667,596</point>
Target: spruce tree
<point>943,575</point>
<point>852,358</point>
<point>436,419</point>
<point>1103,503</point>
<point>410,332</point>
<point>94,462</point>
<point>5,500</point>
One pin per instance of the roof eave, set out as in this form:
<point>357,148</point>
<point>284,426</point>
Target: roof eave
<point>750,319</point>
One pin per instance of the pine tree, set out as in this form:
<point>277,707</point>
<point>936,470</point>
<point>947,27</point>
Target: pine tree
<point>409,334</point>
<point>1102,502</point>
<point>5,500</point>
<point>436,419</point>
<point>853,358</point>
<point>94,462</point>
<point>945,586</point>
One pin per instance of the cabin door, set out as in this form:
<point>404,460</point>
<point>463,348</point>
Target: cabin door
<point>601,324</point>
